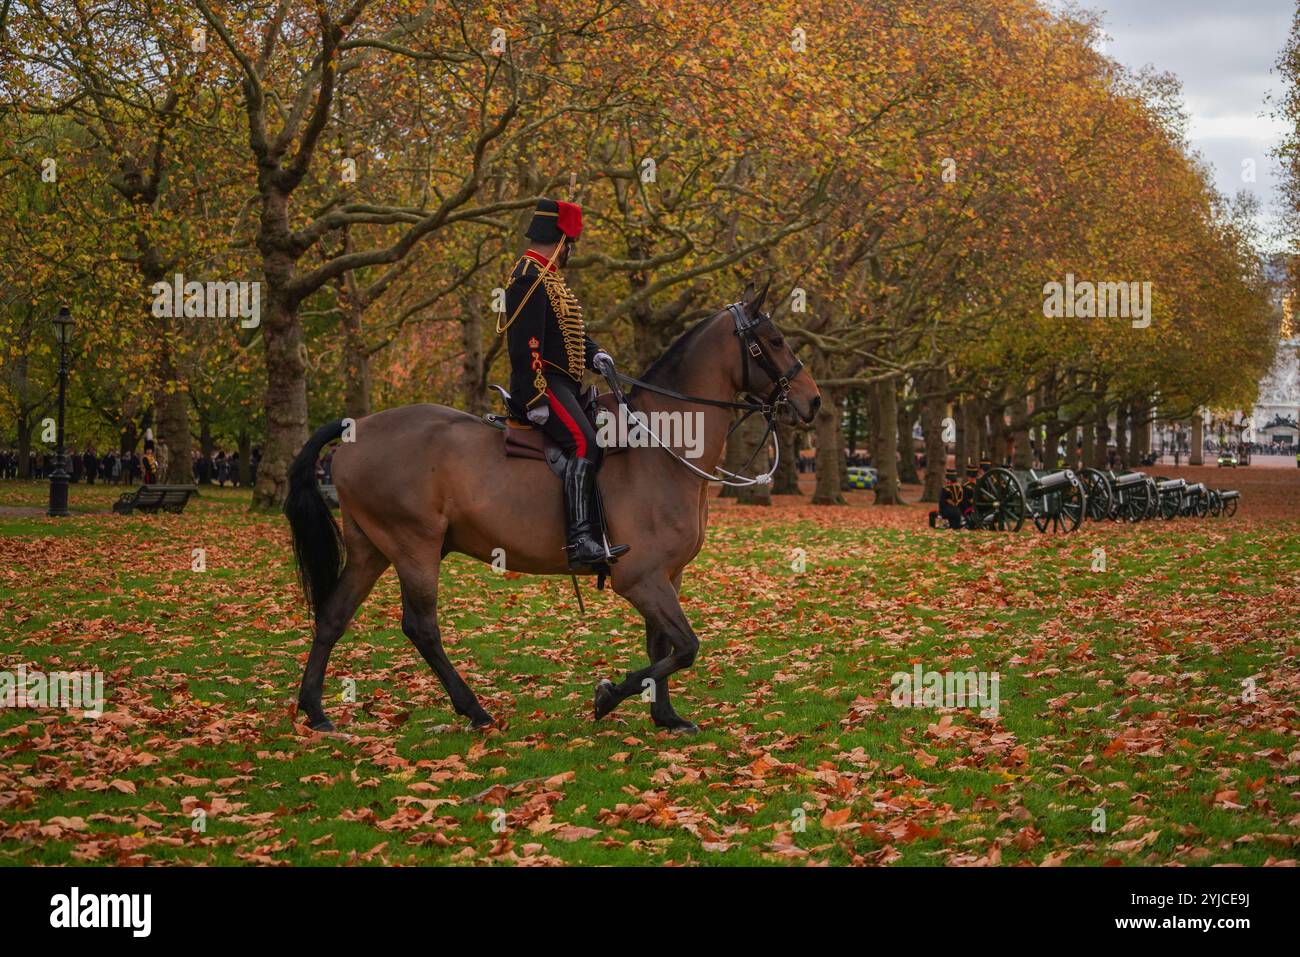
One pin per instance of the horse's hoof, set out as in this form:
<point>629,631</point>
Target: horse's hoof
<point>482,724</point>
<point>323,725</point>
<point>606,699</point>
<point>680,726</point>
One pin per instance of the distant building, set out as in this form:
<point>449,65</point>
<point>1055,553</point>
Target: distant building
<point>1276,419</point>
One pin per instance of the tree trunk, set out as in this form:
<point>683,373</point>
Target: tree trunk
<point>174,432</point>
<point>285,399</point>
<point>1140,427</point>
<point>24,414</point>
<point>854,402</point>
<point>841,451</point>
<point>974,432</point>
<point>1197,454</point>
<point>357,378</point>
<point>24,446</point>
<point>1052,431</point>
<point>961,443</point>
<point>172,403</point>
<point>473,390</point>
<point>206,447</point>
<point>885,444</point>
<point>994,447</point>
<point>1022,454</point>
<point>827,424</point>
<point>1121,434</point>
<point>1101,437</point>
<point>746,439</point>
<point>245,444</point>
<point>786,479</point>
<point>129,435</point>
<point>907,473</point>
<point>936,451</point>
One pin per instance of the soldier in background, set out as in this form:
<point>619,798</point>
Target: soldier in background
<point>951,500</point>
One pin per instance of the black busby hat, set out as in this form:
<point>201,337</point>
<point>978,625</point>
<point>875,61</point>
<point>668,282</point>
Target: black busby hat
<point>553,219</point>
<point>950,475</point>
<point>971,469</point>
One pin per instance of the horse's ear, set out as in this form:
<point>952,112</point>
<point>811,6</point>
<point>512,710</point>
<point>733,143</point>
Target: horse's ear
<point>748,293</point>
<point>756,305</point>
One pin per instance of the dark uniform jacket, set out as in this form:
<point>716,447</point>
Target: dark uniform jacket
<point>968,495</point>
<point>953,494</point>
<point>546,335</point>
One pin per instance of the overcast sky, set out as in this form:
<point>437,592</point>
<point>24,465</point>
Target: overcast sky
<point>1223,51</point>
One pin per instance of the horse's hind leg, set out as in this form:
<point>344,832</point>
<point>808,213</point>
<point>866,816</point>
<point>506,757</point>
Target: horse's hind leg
<point>364,565</point>
<point>672,646</point>
<point>420,623</point>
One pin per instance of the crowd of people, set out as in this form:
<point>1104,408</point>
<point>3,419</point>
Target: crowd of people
<point>130,468</point>
<point>110,468</point>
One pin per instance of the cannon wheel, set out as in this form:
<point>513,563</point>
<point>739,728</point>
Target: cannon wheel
<point>1230,507</point>
<point>999,501</point>
<point>1098,494</point>
<point>1216,503</point>
<point>1201,505</point>
<point>1171,504</point>
<point>1153,500</point>
<point>1071,505</point>
<point>1119,499</point>
<point>1136,502</point>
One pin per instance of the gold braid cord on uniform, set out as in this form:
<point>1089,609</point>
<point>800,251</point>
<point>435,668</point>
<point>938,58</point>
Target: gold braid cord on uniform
<point>569,316</point>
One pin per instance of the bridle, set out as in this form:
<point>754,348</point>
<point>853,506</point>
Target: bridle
<point>751,351</point>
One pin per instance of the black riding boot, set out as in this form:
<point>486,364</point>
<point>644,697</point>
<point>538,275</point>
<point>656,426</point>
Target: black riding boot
<point>584,547</point>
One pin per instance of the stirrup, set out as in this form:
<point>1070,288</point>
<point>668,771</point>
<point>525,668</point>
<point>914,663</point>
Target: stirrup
<point>603,553</point>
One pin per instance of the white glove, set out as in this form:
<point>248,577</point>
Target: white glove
<point>538,414</point>
<point>603,363</point>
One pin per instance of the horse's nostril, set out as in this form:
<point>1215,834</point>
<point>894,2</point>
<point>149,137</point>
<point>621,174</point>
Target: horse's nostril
<point>816,404</point>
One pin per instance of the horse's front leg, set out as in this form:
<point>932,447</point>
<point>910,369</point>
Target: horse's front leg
<point>661,709</point>
<point>671,644</point>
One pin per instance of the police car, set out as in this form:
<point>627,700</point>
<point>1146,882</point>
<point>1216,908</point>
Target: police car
<point>862,476</point>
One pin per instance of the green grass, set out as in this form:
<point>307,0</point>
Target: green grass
<point>1120,690</point>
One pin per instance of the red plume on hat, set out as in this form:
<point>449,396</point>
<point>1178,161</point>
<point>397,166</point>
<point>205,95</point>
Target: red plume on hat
<point>569,219</point>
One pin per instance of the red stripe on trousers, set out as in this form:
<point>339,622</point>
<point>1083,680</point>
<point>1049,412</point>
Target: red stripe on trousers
<point>567,421</point>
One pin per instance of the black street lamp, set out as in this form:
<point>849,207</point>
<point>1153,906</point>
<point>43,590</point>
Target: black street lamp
<point>63,324</point>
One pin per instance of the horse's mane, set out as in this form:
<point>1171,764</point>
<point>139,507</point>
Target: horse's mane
<point>668,363</point>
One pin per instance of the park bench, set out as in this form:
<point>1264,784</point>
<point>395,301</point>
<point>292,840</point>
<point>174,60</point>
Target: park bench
<point>151,498</point>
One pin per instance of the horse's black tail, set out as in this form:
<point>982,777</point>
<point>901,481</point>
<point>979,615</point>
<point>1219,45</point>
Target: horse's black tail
<point>317,540</point>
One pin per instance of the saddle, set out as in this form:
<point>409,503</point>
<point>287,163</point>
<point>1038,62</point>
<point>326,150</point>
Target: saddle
<point>522,441</point>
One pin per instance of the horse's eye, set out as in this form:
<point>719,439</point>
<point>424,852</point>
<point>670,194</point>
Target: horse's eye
<point>778,342</point>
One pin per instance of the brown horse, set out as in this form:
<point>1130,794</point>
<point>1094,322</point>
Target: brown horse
<point>421,481</point>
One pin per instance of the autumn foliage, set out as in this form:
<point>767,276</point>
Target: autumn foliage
<point>910,175</point>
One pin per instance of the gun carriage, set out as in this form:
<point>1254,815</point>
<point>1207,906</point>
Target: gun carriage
<point>1004,498</point>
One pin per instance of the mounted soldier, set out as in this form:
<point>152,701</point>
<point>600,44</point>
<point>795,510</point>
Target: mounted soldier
<point>549,349</point>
